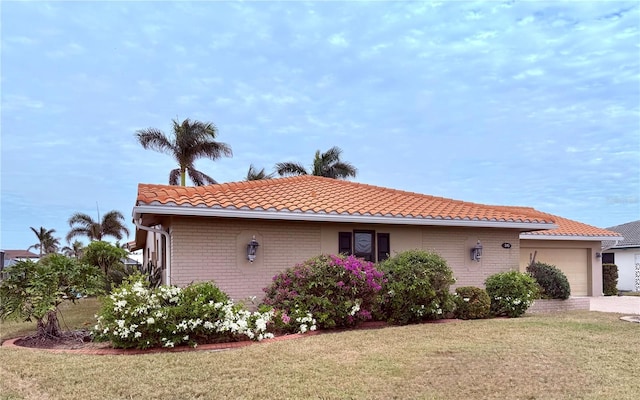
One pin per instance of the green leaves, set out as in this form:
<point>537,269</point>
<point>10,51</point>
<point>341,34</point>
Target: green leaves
<point>31,290</point>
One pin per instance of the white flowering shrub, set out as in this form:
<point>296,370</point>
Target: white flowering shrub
<point>136,316</point>
<point>472,303</point>
<point>511,293</point>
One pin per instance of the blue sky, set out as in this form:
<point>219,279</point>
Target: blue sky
<point>514,103</point>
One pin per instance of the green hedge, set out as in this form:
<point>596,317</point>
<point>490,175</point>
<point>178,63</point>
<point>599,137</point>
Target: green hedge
<point>610,279</point>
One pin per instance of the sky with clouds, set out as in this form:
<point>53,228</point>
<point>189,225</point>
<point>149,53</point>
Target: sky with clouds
<point>513,103</point>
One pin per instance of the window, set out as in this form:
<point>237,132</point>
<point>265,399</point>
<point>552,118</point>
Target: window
<point>608,258</point>
<point>363,243</point>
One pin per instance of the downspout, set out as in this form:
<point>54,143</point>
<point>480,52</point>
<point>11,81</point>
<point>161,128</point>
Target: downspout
<point>137,221</point>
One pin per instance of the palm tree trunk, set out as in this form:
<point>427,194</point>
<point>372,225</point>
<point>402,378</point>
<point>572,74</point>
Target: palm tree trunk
<point>183,177</point>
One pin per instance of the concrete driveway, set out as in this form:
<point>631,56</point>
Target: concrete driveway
<point>616,304</point>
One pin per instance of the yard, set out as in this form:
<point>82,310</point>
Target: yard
<point>573,355</point>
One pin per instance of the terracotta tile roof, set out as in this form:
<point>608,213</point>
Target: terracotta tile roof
<point>569,228</point>
<point>324,196</point>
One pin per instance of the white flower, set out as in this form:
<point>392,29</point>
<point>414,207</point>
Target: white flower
<point>150,320</point>
<point>137,335</point>
<point>466,299</point>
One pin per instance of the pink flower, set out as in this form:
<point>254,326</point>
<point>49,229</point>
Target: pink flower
<point>285,318</point>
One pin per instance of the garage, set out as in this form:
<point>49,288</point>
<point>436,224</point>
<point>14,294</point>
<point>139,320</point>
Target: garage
<point>573,262</point>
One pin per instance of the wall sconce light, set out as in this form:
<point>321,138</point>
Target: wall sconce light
<point>598,255</point>
<point>476,252</point>
<point>252,249</point>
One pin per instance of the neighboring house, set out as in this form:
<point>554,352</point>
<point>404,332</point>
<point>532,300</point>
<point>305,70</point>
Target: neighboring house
<point>203,233</point>
<point>13,256</point>
<point>575,248</point>
<point>626,255</point>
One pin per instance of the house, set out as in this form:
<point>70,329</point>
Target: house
<point>10,257</point>
<point>626,255</point>
<point>575,248</point>
<point>241,234</point>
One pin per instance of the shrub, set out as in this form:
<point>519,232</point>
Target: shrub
<point>610,279</point>
<point>337,290</point>
<point>511,293</point>
<point>135,315</point>
<point>472,303</point>
<point>32,290</point>
<point>416,287</point>
<point>553,282</point>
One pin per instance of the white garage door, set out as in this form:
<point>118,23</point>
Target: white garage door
<point>573,262</point>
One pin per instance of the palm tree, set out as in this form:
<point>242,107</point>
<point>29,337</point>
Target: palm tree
<point>190,141</point>
<point>254,175</point>
<point>46,242</point>
<point>112,224</point>
<point>327,164</point>
<point>76,249</point>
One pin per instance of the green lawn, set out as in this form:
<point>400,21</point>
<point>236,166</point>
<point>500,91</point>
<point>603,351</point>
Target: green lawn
<point>586,355</point>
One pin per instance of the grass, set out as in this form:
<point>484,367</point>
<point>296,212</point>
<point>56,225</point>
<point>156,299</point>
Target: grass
<point>584,354</point>
<point>72,316</point>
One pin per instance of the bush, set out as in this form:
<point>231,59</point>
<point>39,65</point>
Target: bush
<point>31,290</point>
<point>511,293</point>
<point>416,287</point>
<point>553,282</point>
<point>337,290</point>
<point>610,279</point>
<point>472,303</point>
<point>135,315</point>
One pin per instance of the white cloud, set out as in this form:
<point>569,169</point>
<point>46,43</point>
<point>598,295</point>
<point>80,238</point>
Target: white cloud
<point>338,40</point>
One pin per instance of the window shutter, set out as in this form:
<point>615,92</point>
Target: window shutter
<point>344,243</point>
<point>384,246</point>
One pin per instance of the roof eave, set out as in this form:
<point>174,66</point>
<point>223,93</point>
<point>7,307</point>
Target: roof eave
<point>323,217</point>
<point>569,237</point>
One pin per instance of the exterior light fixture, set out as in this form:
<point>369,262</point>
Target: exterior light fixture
<point>252,249</point>
<point>598,255</point>
<point>476,252</point>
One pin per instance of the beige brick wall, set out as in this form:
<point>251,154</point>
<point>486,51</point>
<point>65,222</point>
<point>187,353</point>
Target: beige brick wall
<point>454,244</point>
<point>551,305</point>
<point>215,249</point>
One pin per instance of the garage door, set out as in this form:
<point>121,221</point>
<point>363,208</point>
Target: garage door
<point>573,262</point>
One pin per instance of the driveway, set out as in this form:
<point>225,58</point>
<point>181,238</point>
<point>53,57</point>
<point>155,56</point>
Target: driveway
<point>616,304</point>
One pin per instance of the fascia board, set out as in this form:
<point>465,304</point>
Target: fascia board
<point>569,237</point>
<point>319,217</point>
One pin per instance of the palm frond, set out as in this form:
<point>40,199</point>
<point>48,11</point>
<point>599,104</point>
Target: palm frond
<point>174,177</point>
<point>290,168</point>
<point>200,178</point>
<point>154,139</point>
<point>254,175</point>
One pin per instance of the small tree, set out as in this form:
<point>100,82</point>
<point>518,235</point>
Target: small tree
<point>108,258</point>
<point>35,290</point>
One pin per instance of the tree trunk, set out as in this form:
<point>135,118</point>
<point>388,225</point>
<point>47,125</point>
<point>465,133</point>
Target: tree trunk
<point>183,177</point>
<point>48,326</point>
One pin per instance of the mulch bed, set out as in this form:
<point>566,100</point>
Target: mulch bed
<point>79,341</point>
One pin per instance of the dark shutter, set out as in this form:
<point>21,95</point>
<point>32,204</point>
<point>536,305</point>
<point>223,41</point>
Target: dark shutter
<point>344,243</point>
<point>384,247</point>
